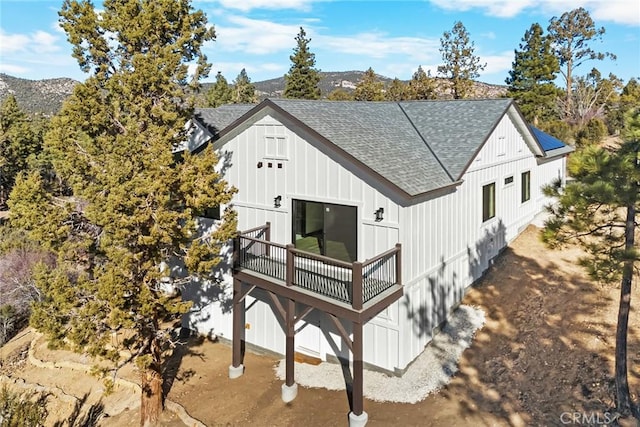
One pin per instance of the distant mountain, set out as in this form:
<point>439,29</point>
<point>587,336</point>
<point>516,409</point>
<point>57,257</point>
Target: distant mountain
<point>37,96</point>
<point>46,96</point>
<point>329,81</point>
<point>348,80</point>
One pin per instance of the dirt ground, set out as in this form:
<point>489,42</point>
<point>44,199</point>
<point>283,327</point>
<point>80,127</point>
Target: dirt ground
<point>544,358</point>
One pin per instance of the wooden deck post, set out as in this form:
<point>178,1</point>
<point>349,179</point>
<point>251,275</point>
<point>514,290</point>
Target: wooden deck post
<point>237,369</point>
<point>399,264</point>
<point>356,285</point>
<point>236,252</point>
<point>290,267</point>
<point>267,237</point>
<point>290,348</point>
<point>357,417</point>
<point>290,388</point>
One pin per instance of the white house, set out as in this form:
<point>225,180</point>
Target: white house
<point>438,188</point>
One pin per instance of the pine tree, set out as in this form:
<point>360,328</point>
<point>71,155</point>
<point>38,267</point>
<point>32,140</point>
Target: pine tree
<point>422,85</point>
<point>369,88</point>
<point>302,80</point>
<point>461,65</point>
<point>220,93</point>
<point>600,211</point>
<point>571,35</point>
<point>244,92</point>
<point>396,91</point>
<point>340,94</point>
<point>134,205</point>
<point>19,145</point>
<point>628,99</point>
<point>530,81</point>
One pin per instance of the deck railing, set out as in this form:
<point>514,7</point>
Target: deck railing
<point>352,283</point>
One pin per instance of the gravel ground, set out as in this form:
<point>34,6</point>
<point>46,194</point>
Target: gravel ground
<point>432,370</point>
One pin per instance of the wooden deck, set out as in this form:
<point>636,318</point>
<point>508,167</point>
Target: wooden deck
<point>335,283</point>
<point>298,282</point>
<point>354,283</point>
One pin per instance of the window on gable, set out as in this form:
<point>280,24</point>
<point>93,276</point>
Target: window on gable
<point>525,183</point>
<point>276,147</point>
<point>488,201</point>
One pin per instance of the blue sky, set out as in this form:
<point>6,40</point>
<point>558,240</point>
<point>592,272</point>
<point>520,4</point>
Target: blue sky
<point>392,37</point>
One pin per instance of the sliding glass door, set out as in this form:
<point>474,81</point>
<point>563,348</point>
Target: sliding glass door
<point>326,229</point>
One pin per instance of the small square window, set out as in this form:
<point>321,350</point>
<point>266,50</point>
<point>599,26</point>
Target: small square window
<point>276,147</point>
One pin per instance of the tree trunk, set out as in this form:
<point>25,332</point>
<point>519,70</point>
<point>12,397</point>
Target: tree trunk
<point>623,398</point>
<point>567,107</point>
<point>151,403</point>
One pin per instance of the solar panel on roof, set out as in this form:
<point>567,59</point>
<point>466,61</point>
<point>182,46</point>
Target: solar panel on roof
<point>547,141</point>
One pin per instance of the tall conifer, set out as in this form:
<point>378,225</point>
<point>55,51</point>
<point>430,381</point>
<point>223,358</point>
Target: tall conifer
<point>600,210</point>
<point>243,91</point>
<point>220,93</point>
<point>134,204</point>
<point>461,65</point>
<point>530,81</point>
<point>369,88</point>
<point>302,80</point>
<point>571,35</point>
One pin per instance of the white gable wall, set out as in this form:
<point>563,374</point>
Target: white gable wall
<point>447,246</point>
<point>307,172</point>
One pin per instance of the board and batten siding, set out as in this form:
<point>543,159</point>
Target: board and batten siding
<point>446,244</point>
<point>303,170</point>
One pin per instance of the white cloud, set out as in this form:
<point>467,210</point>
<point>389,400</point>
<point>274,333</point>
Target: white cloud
<point>12,69</point>
<point>490,35</point>
<point>378,45</point>
<point>38,42</point>
<point>499,8</point>
<point>34,51</point>
<point>498,64</point>
<point>255,36</point>
<point>44,42</point>
<point>10,43</point>
<point>247,5</point>
<point>618,11</point>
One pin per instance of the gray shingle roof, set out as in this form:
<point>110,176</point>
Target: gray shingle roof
<point>376,133</point>
<point>216,119</point>
<point>455,130</point>
<point>418,146</point>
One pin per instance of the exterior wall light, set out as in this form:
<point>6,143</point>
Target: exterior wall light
<point>277,202</point>
<point>379,213</point>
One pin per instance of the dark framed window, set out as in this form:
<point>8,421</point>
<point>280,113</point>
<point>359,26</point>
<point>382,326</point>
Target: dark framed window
<point>488,201</point>
<point>508,180</point>
<point>211,213</point>
<point>525,183</point>
<point>326,229</point>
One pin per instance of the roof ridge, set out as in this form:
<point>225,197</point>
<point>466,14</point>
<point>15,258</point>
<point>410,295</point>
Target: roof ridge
<point>435,156</point>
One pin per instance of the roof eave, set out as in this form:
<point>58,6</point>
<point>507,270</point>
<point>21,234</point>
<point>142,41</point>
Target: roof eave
<point>525,130</point>
<point>562,151</point>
